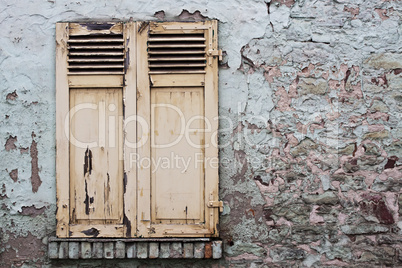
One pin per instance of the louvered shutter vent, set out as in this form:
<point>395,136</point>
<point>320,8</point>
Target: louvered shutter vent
<point>176,53</point>
<point>96,54</point>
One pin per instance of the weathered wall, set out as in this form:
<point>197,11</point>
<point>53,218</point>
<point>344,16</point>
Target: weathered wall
<point>310,99</point>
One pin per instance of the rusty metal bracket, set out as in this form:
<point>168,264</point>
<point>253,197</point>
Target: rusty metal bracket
<point>215,53</point>
<point>216,204</point>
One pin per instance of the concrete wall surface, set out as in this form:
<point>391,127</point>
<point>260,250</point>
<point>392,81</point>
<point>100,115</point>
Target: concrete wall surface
<point>310,102</point>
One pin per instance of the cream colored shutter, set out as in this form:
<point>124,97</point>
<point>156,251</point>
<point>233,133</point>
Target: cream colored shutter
<point>89,136</point>
<point>177,130</point>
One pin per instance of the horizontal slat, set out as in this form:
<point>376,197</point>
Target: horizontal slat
<point>95,66</point>
<point>95,47</point>
<point>103,53</point>
<point>184,39</point>
<point>177,80</point>
<point>176,46</point>
<point>95,40</point>
<point>95,81</point>
<point>158,52</point>
<point>94,73</point>
<point>177,59</point>
<point>170,71</point>
<point>95,60</point>
<point>181,64</point>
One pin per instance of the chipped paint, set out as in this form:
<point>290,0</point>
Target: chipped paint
<point>35,179</point>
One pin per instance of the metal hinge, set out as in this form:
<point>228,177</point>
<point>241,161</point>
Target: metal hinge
<point>215,53</point>
<point>216,204</point>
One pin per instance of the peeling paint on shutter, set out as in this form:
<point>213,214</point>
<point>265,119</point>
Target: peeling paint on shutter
<point>90,67</point>
<point>178,86</point>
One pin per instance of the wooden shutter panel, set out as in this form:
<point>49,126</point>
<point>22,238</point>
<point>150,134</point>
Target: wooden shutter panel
<point>89,135</point>
<point>177,84</point>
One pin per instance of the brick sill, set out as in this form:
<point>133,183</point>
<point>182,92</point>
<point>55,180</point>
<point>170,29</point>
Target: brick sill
<point>134,248</point>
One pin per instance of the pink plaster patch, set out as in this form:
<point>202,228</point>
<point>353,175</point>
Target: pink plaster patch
<point>342,218</point>
<point>378,116</point>
<point>375,128</point>
<point>382,13</point>
<point>394,173</point>
<point>306,72</point>
<point>314,217</point>
<point>391,199</point>
<point>334,84</point>
<point>284,100</point>
<point>271,72</point>
<point>372,238</point>
<point>333,115</point>
<point>282,221</point>
<point>301,128</point>
<point>307,249</point>
<point>336,263</point>
<point>353,196</point>
<point>369,177</point>
<point>353,11</point>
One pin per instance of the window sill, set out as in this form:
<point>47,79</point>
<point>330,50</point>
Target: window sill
<point>134,248</point>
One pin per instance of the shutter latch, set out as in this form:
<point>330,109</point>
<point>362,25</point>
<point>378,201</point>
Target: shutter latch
<point>215,53</point>
<point>216,204</point>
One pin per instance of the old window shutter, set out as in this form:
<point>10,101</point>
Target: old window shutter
<point>128,94</point>
<point>178,99</point>
<point>89,102</point>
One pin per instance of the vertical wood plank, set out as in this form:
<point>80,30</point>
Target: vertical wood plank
<point>177,188</point>
<point>143,115</point>
<point>95,166</point>
<point>62,143</point>
<point>211,138</point>
<point>130,130</point>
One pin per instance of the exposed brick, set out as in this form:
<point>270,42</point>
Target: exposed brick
<point>208,250</point>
